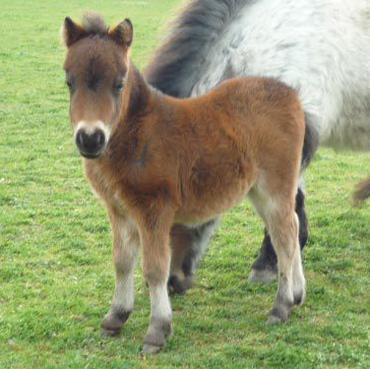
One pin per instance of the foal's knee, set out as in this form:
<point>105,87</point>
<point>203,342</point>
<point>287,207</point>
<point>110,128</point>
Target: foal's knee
<point>156,271</point>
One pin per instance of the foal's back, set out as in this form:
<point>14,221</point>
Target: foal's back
<point>246,108</point>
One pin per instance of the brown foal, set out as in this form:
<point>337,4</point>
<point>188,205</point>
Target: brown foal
<point>157,161</point>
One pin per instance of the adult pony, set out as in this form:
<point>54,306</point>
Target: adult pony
<point>321,48</point>
<point>157,161</point>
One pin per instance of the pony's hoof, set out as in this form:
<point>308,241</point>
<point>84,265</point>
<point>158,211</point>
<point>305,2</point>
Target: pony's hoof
<point>262,275</point>
<point>150,349</point>
<point>179,286</point>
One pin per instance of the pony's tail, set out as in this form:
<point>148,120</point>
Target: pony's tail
<point>311,140</point>
<point>362,191</point>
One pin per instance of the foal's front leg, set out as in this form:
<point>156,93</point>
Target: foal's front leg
<point>156,266</point>
<point>125,246</point>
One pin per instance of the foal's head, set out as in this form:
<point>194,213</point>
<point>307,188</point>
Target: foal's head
<point>96,68</point>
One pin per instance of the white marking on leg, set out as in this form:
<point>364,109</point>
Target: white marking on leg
<point>160,302</point>
<point>299,281</point>
<point>283,228</point>
<point>123,298</point>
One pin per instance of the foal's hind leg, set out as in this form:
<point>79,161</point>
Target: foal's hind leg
<point>282,223</point>
<point>125,246</point>
<point>264,268</point>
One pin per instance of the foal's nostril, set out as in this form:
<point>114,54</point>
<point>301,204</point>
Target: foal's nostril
<point>90,144</point>
<point>99,137</point>
<point>80,138</point>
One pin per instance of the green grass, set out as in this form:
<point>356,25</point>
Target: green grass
<point>56,277</point>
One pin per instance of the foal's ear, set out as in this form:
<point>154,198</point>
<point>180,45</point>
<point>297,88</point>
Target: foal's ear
<point>123,33</point>
<point>71,32</point>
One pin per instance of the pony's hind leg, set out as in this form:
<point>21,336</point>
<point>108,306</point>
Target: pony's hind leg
<point>125,246</point>
<point>181,246</point>
<point>188,245</point>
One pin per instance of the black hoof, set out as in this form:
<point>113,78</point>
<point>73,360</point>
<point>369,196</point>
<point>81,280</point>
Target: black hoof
<point>175,285</point>
<point>267,275</point>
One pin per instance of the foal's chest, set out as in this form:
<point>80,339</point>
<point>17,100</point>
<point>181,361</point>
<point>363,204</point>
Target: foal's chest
<point>104,187</point>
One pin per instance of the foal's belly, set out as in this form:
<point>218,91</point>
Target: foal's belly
<point>219,180</point>
<point>203,212</point>
<point>208,205</point>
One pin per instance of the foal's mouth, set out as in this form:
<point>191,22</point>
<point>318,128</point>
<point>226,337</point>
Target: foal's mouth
<point>89,155</point>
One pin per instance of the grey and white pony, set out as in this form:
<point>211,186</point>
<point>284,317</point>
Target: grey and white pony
<point>320,47</point>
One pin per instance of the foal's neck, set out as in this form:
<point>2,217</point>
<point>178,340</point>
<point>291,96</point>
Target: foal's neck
<point>136,122</point>
<point>137,101</point>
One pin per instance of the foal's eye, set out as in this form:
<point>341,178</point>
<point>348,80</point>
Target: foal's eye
<point>69,81</point>
<point>118,87</point>
<point>70,84</point>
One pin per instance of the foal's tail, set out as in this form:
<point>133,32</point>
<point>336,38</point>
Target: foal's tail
<point>362,191</point>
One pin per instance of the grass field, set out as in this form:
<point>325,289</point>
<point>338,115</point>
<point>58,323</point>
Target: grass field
<point>56,277</point>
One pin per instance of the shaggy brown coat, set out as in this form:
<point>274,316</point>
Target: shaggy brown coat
<point>159,161</point>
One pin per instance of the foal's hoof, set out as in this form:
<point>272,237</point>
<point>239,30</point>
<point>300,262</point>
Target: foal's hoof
<point>151,349</point>
<point>278,315</point>
<point>299,297</point>
<point>109,333</point>
<point>156,336</point>
<point>112,322</point>
<point>179,286</point>
<point>267,275</point>
<point>273,320</point>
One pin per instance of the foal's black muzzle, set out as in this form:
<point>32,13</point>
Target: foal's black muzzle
<point>92,144</point>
